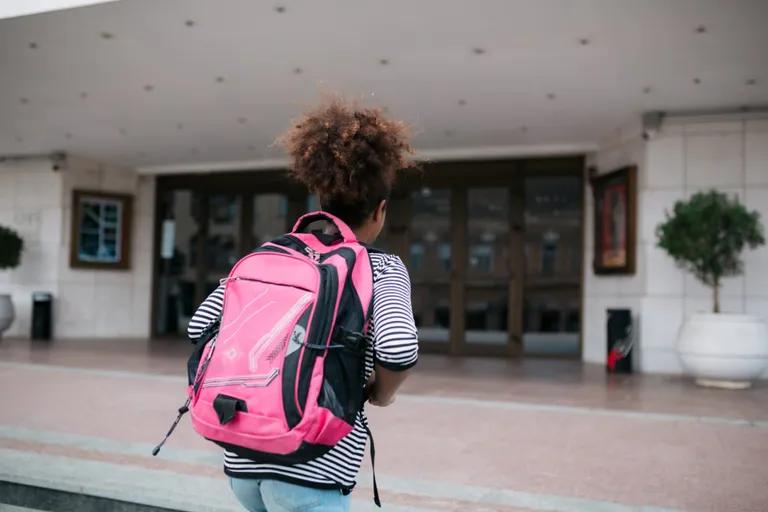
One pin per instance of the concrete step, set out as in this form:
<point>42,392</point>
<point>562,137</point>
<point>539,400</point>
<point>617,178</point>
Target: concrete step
<point>57,483</point>
<point>14,508</point>
<point>27,498</point>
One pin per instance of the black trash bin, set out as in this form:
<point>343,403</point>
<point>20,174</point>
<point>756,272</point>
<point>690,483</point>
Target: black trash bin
<point>42,315</point>
<point>620,336</point>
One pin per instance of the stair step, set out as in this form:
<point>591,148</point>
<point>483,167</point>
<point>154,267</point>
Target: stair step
<point>14,508</point>
<point>26,498</point>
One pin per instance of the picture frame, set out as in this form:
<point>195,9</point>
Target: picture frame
<point>101,230</point>
<point>615,226</point>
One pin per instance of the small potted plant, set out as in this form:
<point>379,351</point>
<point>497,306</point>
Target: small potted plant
<point>11,245</point>
<point>706,236</point>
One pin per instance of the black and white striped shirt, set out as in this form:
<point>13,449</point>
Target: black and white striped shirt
<point>395,345</point>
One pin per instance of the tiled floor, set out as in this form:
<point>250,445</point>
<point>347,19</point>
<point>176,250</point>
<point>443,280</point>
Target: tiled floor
<point>466,434</point>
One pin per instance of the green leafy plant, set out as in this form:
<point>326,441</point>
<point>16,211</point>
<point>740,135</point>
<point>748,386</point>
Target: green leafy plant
<point>11,245</point>
<point>706,236</point>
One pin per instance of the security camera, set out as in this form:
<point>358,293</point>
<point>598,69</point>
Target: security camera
<point>652,124</point>
<point>58,161</point>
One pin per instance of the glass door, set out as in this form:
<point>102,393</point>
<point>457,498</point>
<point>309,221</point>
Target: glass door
<point>177,280</point>
<point>553,260</point>
<point>487,271</point>
<point>429,263</point>
<point>223,244</point>
<point>270,218</point>
<point>202,235</point>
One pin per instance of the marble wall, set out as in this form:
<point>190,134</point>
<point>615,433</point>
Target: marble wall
<point>688,154</point>
<point>37,201</point>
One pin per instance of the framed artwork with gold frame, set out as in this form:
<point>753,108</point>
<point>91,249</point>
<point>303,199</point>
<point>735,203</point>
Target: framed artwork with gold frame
<point>615,215</point>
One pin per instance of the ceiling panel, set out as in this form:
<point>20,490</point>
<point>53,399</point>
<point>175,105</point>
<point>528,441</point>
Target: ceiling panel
<point>148,83</point>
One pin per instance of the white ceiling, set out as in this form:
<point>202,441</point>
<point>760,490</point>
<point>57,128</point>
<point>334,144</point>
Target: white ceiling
<point>130,82</point>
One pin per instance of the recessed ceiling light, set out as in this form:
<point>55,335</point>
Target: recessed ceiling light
<point>24,101</point>
<point>551,96</point>
<point>280,8</point>
<point>462,103</point>
<point>701,29</point>
<point>83,95</point>
<point>33,45</point>
<point>241,120</point>
<point>647,89</point>
<point>752,81</point>
<point>107,35</point>
<point>697,80</point>
<point>584,41</point>
<point>219,79</point>
<point>384,62</point>
<point>149,88</point>
<point>190,23</point>
<point>478,50</point>
<point>297,71</point>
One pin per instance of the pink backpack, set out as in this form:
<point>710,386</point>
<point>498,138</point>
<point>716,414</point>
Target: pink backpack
<point>280,377</point>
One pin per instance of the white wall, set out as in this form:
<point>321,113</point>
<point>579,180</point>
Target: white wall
<point>107,303</point>
<point>88,303</point>
<point>690,155</point>
<point>687,155</point>
<point>30,203</point>
<point>625,148</point>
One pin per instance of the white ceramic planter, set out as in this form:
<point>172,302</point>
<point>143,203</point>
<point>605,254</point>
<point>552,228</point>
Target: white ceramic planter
<point>723,349</point>
<point>7,313</point>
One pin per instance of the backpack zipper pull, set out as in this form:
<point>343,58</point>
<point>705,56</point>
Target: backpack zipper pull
<point>182,411</point>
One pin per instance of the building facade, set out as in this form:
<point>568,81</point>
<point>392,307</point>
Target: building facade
<point>500,252</point>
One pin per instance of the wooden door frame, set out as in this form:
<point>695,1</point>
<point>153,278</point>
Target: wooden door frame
<point>451,175</point>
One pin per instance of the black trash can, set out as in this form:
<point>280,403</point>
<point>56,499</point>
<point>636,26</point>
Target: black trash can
<point>620,336</point>
<point>42,316</point>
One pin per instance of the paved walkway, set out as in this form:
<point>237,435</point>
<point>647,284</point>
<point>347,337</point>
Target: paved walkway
<point>466,434</point>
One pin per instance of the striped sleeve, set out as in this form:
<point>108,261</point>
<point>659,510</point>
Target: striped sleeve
<point>395,337</point>
<point>206,313</point>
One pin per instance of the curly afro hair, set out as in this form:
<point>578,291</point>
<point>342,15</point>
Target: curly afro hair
<point>348,156</point>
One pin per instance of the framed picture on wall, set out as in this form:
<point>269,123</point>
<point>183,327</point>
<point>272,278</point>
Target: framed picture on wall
<point>101,230</point>
<point>615,221</point>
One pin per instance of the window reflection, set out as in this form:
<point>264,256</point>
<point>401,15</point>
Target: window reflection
<point>176,284</point>
<point>270,217</point>
<point>223,228</point>
<point>488,232</point>
<point>486,303</point>
<point>430,235</point>
<point>429,262</point>
<point>432,312</point>
<point>486,315</point>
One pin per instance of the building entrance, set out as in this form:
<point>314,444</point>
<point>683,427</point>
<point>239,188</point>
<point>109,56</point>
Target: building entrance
<point>494,249</point>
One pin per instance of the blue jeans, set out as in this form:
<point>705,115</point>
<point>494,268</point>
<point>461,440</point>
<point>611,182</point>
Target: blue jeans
<point>276,496</point>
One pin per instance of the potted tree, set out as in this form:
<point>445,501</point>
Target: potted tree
<point>11,245</point>
<point>706,235</point>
